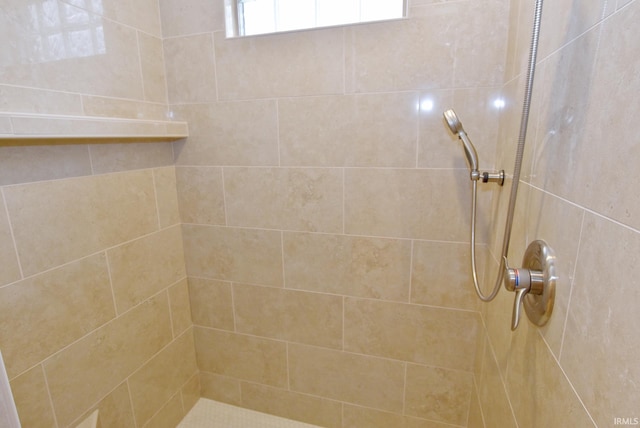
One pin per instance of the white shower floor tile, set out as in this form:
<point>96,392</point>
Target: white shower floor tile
<point>211,414</point>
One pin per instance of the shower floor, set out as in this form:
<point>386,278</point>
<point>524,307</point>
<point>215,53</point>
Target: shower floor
<point>212,414</point>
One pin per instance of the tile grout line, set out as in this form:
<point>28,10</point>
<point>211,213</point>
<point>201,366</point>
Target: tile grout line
<point>13,237</point>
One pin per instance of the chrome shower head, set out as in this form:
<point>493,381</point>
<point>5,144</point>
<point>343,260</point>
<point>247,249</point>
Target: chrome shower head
<point>456,127</point>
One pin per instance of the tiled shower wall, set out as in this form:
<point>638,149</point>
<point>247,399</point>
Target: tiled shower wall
<point>579,193</point>
<point>325,210</point>
<point>94,310</point>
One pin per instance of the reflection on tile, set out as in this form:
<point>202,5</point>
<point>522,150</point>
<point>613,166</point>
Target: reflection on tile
<point>290,199</point>
<point>353,266</point>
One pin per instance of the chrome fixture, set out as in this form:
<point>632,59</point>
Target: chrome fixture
<point>534,284</point>
<point>523,282</point>
<point>470,151</point>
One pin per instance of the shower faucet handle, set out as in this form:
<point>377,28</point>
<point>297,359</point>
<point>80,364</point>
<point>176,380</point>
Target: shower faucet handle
<point>522,281</point>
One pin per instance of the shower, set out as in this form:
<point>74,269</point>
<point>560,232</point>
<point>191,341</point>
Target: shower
<point>537,279</point>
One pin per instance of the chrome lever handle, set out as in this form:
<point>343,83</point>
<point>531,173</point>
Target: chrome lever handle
<point>518,280</point>
<point>515,316</point>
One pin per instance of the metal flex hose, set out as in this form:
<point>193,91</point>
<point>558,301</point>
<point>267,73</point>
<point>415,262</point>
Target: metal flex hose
<point>533,52</point>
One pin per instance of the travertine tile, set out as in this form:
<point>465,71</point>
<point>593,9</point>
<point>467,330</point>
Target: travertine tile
<point>191,392</point>
<point>83,215</point>
<point>180,307</point>
<point>494,400</point>
<point>193,17</point>
<point>43,314</point>
<point>358,379</point>
<point>219,135</point>
<point>438,337</point>
<point>152,66</point>
<point>355,130</point>
<point>290,199</point>
<point>243,255</point>
<point>141,268</point>
<point>201,195</point>
<point>296,316</point>
<point>290,405</point>
<point>220,388</point>
<point>408,203</point>
<point>32,399</point>
<point>242,357</point>
<point>362,417</point>
<point>168,416</point>
<point>36,163</point>
<point>475,412</point>
<point>166,196</point>
<point>211,303</point>
<point>190,68</point>
<point>143,15</point>
<point>123,108</point>
<point>10,269</point>
<point>107,158</point>
<point>441,275</point>
<point>114,411</point>
<point>84,372</point>
<point>438,394</point>
<point>338,264</point>
<point>162,377</point>
<point>533,373</point>
<point>292,64</point>
<point>30,100</point>
<point>603,305</point>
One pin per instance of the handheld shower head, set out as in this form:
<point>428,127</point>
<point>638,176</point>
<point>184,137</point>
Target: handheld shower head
<point>456,128</point>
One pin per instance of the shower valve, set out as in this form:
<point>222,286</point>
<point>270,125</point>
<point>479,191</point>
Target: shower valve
<point>534,284</point>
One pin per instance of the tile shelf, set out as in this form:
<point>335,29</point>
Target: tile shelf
<point>21,128</point>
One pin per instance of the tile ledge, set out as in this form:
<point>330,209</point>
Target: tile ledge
<point>25,129</point>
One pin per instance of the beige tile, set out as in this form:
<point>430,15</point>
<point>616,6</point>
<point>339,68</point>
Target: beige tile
<point>384,55</point>
<point>36,163</point>
<point>406,203</point>
<point>356,130</point>
<point>32,399</point>
<point>180,307</point>
<point>114,411</point>
<point>193,17</point>
<point>441,275</point>
<point>152,65</point>
<point>293,64</point>
<point>219,134</point>
<point>533,373</point>
<point>123,108</point>
<point>220,388</point>
<point>211,303</point>
<point>107,158</point>
<point>243,255</point>
<point>201,195</point>
<point>83,215</point>
<point>191,392</point>
<point>30,100</point>
<point>438,394</point>
<point>338,264</point>
<point>498,325</point>
<point>84,372</point>
<point>362,417</point>
<point>293,406</point>
<point>5,125</point>
<point>190,68</point>
<point>296,316</point>
<point>141,268</point>
<point>143,15</point>
<point>166,196</point>
<point>291,199</point>
<point>603,305</point>
<point>438,337</point>
<point>168,416</point>
<point>45,313</point>
<point>10,271</point>
<point>358,379</point>
<point>242,357</point>
<point>494,400</point>
<point>162,377</point>
<point>475,412</point>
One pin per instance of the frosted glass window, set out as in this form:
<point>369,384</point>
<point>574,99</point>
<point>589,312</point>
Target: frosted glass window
<point>251,17</point>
